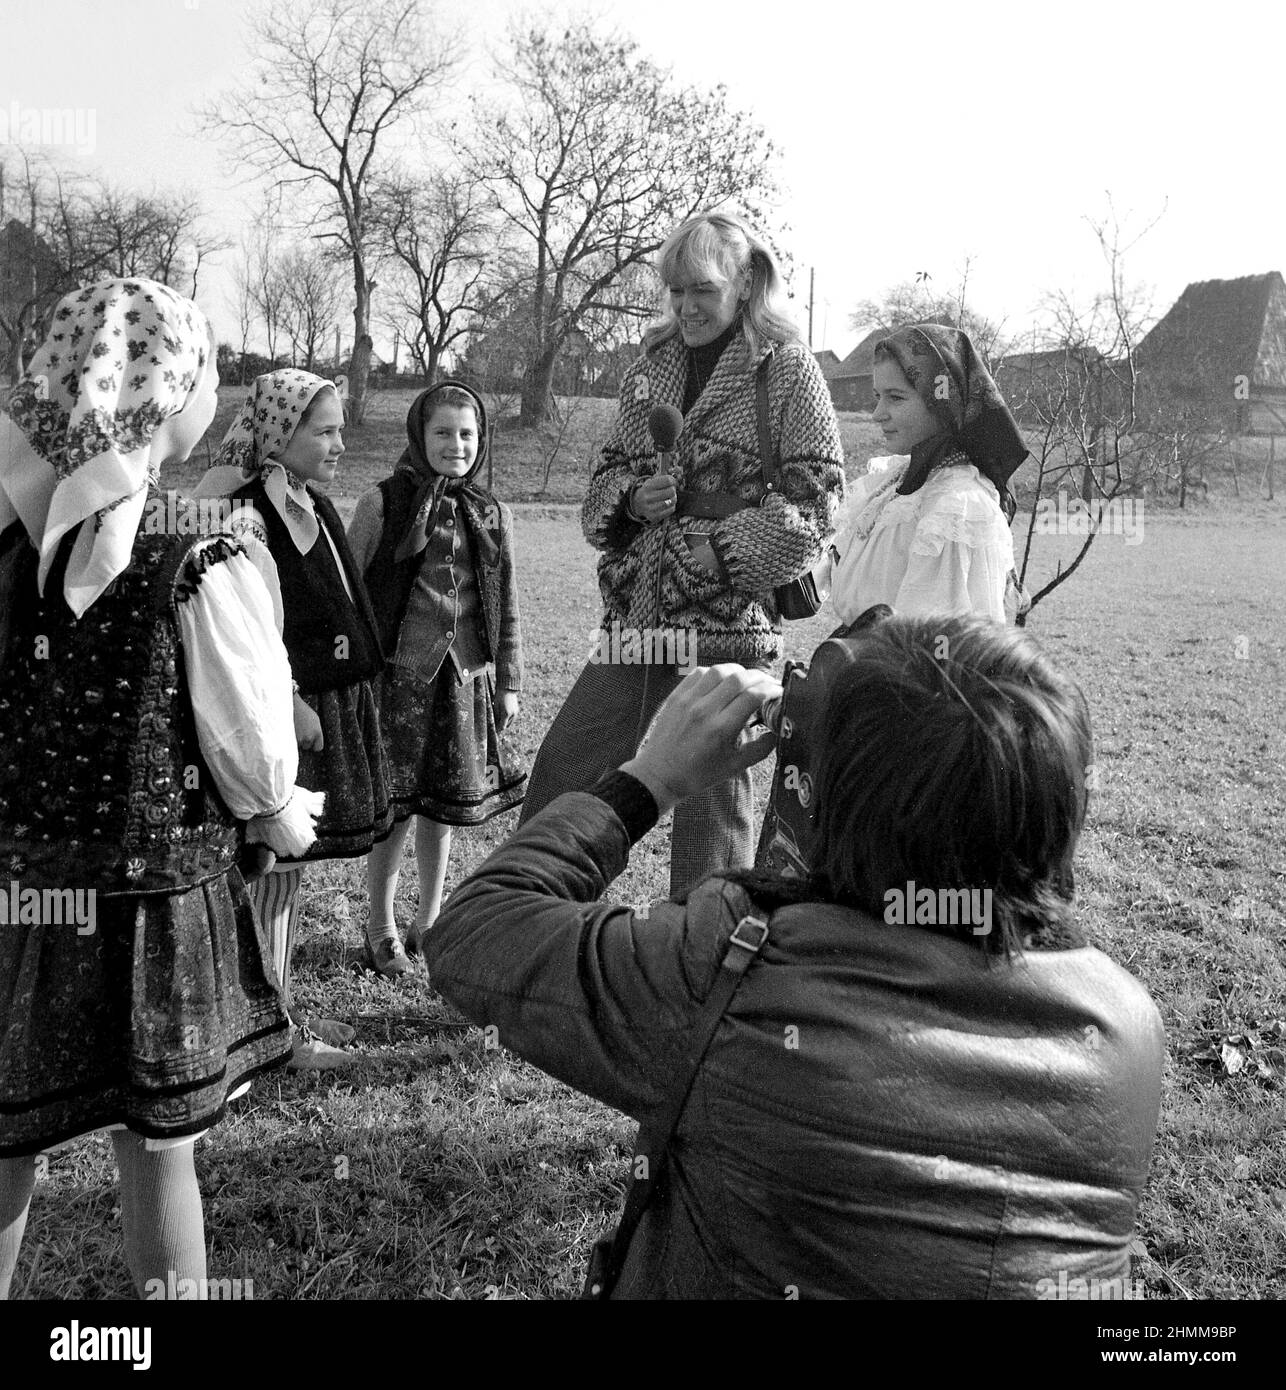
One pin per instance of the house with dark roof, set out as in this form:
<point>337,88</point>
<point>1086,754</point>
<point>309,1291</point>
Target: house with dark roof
<point>1036,385</point>
<point>1221,349</point>
<point>827,361</point>
<point>850,382</point>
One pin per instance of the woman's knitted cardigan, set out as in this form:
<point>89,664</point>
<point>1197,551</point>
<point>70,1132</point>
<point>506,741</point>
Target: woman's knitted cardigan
<point>731,613</point>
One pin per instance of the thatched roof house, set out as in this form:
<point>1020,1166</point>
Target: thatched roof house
<point>1222,348</point>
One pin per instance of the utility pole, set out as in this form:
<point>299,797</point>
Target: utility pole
<point>812,272</point>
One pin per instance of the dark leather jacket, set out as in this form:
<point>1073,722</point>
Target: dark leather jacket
<point>883,1112</point>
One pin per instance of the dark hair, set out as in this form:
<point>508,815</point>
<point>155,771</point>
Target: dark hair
<point>957,759</point>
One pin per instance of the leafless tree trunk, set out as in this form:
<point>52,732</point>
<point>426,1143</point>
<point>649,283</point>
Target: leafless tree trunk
<point>332,78</point>
<point>437,233</point>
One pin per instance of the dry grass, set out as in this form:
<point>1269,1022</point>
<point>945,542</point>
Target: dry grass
<point>442,1169</point>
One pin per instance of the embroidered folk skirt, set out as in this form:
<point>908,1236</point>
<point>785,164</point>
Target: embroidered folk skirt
<point>150,1020</point>
<point>447,761</point>
<point>351,769</point>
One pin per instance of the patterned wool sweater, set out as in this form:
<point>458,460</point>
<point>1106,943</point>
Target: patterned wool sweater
<point>732,614</point>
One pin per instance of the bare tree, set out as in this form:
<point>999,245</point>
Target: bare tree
<point>331,80</point>
<point>918,301</point>
<point>437,232</point>
<point>1081,402</point>
<point>243,300</point>
<point>40,256</point>
<point>60,229</point>
<point>265,283</point>
<point>312,293</point>
<point>159,236</point>
<point>597,156</point>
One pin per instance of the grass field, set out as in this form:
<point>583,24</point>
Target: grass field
<point>438,1168</point>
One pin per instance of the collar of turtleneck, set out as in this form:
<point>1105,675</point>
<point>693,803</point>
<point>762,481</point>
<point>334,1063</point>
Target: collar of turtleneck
<point>703,360</point>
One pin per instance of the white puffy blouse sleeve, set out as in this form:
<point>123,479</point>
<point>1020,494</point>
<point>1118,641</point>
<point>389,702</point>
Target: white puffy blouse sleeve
<point>247,527</point>
<point>961,549</point>
<point>240,685</point>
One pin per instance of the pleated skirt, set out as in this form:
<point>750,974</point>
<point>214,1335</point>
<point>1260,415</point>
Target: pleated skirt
<point>149,1020</point>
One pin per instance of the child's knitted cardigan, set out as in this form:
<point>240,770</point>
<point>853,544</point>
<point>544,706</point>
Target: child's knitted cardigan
<point>732,614</point>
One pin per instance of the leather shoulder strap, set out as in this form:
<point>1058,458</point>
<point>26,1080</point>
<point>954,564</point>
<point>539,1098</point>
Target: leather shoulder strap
<point>744,945</point>
<point>768,461</point>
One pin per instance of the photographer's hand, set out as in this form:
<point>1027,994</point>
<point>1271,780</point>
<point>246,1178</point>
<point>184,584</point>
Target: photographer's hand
<point>699,737</point>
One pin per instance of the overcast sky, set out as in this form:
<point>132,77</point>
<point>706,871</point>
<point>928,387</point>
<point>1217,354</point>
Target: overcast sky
<point>914,135</point>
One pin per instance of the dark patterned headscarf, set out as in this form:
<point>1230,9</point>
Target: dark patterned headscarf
<point>947,374</point>
<point>432,486</point>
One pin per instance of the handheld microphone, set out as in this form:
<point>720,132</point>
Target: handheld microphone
<point>664,423</point>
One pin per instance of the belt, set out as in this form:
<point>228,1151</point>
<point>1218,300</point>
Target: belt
<point>710,506</point>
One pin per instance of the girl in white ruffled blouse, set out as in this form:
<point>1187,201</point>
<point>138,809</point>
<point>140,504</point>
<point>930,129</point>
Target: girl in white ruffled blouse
<point>927,529</point>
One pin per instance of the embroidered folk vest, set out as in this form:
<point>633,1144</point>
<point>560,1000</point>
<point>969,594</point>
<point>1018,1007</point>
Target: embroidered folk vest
<point>102,784</point>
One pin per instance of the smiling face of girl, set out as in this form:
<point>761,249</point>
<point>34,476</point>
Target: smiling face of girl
<point>899,411</point>
<point>317,444</point>
<point>451,440</point>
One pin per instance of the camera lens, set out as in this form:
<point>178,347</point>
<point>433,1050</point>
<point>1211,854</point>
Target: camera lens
<point>770,713</point>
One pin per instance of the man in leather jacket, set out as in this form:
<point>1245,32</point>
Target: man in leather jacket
<point>898,1102</point>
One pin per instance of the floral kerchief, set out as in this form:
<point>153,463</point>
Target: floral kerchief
<point>120,358</point>
<point>255,441</point>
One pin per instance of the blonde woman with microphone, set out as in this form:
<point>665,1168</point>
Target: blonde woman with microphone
<point>692,548</point>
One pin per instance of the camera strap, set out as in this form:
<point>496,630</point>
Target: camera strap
<point>608,1257</point>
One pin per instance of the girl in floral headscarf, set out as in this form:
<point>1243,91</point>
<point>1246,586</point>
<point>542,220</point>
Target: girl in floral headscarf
<point>928,527</point>
<point>145,703</point>
<point>285,445</point>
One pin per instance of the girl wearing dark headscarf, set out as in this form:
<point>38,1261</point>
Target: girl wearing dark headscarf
<point>927,528</point>
<point>436,551</point>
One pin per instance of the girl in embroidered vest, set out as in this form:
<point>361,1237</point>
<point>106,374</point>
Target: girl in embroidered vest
<point>925,531</point>
<point>145,704</point>
<point>436,550</point>
<point>281,450</point>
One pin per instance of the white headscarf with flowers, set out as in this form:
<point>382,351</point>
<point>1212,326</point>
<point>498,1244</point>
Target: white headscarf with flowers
<point>121,357</point>
<point>254,443</point>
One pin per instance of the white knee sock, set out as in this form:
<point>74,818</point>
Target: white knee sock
<point>17,1181</point>
<point>161,1215</point>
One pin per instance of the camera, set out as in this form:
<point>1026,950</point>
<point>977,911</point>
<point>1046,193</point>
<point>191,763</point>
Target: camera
<point>788,838</point>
